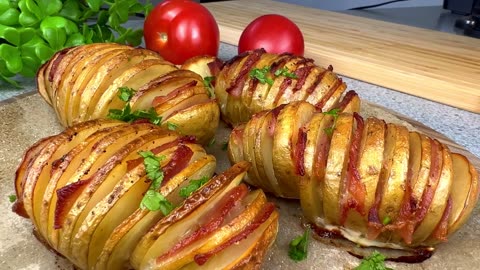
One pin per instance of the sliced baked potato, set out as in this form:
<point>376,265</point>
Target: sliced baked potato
<point>377,184</point>
<point>86,191</point>
<point>82,83</point>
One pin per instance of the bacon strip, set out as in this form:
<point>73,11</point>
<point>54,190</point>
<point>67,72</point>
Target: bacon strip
<point>285,84</point>
<point>273,121</point>
<point>298,153</point>
<point>354,191</point>
<point>179,161</point>
<point>267,211</point>
<point>213,223</point>
<point>67,196</point>
<point>235,88</point>
<point>280,63</point>
<point>302,74</point>
<point>347,99</point>
<point>161,99</point>
<point>184,139</point>
<point>329,94</point>
<point>441,230</point>
<point>215,66</point>
<point>56,62</point>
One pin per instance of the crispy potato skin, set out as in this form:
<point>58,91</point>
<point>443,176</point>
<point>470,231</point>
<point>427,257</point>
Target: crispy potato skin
<point>98,179</point>
<point>379,184</point>
<point>240,94</point>
<point>81,83</point>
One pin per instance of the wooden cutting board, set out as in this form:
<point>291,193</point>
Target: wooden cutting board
<point>430,64</point>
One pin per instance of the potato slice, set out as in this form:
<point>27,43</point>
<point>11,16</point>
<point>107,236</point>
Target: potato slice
<point>257,149</point>
<point>464,191</point>
<point>235,146</point>
<point>439,201</point>
<point>38,169</point>
<point>200,65</point>
<point>290,120</point>
<point>117,249</point>
<point>193,207</point>
<point>134,78</point>
<point>243,213</point>
<point>104,77</point>
<point>336,166</point>
<point>248,252</point>
<point>93,189</point>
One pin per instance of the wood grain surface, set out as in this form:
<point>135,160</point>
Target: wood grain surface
<point>434,65</point>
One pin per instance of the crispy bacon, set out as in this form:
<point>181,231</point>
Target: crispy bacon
<point>215,66</point>
<point>177,163</point>
<point>262,217</point>
<point>273,121</point>
<point>235,88</point>
<point>184,139</point>
<point>321,155</point>
<point>285,84</point>
<point>346,100</point>
<point>302,74</point>
<point>317,81</point>
<point>441,230</point>
<point>67,196</point>
<point>212,223</point>
<point>329,93</point>
<point>280,63</point>
<point>56,62</point>
<point>403,224</point>
<point>298,152</point>
<point>354,191</point>
<point>162,99</point>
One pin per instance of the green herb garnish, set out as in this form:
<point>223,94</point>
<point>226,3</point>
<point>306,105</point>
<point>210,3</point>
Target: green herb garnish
<point>127,115</point>
<point>172,126</point>
<point>153,200</point>
<point>334,113</point>
<point>193,186</point>
<point>12,198</point>
<point>211,142</point>
<point>261,74</point>
<point>125,93</point>
<point>225,146</point>
<point>31,31</point>
<point>298,247</point>
<point>376,261</point>
<point>284,72</point>
<point>207,82</point>
<point>386,220</point>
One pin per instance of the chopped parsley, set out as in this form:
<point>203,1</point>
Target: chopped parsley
<point>386,220</point>
<point>211,142</point>
<point>376,261</point>
<point>261,74</point>
<point>172,126</point>
<point>153,200</point>
<point>207,82</point>
<point>193,186</point>
<point>334,113</point>
<point>225,146</point>
<point>127,115</point>
<point>12,198</point>
<point>298,248</point>
<point>284,72</point>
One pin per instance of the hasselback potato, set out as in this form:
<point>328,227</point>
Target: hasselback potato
<point>256,80</point>
<point>377,184</point>
<point>82,83</point>
<point>110,195</point>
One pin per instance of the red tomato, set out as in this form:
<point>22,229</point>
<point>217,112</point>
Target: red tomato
<point>181,29</point>
<point>274,33</point>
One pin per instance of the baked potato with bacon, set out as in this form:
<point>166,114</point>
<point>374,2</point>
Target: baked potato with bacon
<point>256,80</point>
<point>82,83</point>
<point>89,192</point>
<point>377,184</point>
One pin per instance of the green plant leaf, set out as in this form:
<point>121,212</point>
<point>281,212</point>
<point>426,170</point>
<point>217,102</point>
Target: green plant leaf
<point>75,40</point>
<point>28,19</point>
<point>4,70</point>
<point>134,38</point>
<point>35,9</point>
<point>11,56</point>
<point>59,22</point>
<point>26,34</point>
<point>43,52</point>
<point>71,10</point>
<point>4,5</point>
<point>9,17</point>
<point>10,34</point>
<point>30,66</point>
<point>102,17</point>
<point>8,80</point>
<point>49,7</point>
<point>94,5</point>
<point>56,37</point>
